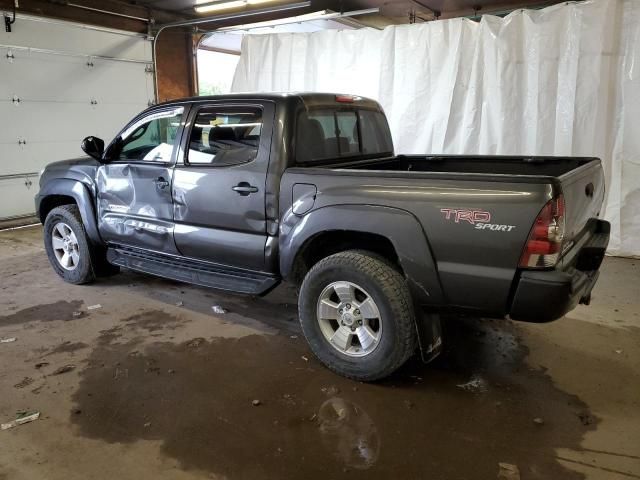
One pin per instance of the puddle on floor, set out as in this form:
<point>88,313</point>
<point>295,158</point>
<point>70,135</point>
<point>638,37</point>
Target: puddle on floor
<point>45,313</point>
<point>197,398</point>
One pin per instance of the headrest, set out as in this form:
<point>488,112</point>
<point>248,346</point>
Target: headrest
<point>310,140</point>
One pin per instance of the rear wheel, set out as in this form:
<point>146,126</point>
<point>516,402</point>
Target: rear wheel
<point>70,253</point>
<point>357,315</point>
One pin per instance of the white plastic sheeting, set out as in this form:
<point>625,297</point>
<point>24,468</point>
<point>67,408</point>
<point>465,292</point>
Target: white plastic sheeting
<point>560,81</point>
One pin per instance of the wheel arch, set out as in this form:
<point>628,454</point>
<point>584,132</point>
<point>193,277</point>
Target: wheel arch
<point>393,233</point>
<point>62,191</point>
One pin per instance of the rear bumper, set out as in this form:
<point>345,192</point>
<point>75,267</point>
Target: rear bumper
<point>543,296</point>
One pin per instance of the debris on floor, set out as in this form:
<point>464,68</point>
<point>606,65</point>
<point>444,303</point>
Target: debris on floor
<point>23,417</point>
<point>293,337</point>
<point>36,390</point>
<point>304,358</point>
<point>179,304</point>
<point>256,402</point>
<point>196,342</point>
<point>586,418</point>
<point>77,314</point>
<point>331,391</point>
<point>508,472</point>
<point>618,352</point>
<point>64,369</point>
<point>25,382</point>
<point>94,307</point>
<point>219,310</point>
<point>476,385</point>
<point>538,421</point>
<point>39,365</point>
<point>8,340</point>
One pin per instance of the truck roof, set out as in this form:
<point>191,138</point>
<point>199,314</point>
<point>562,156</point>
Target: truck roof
<point>307,98</point>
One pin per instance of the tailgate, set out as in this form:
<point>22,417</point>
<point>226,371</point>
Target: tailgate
<point>583,190</point>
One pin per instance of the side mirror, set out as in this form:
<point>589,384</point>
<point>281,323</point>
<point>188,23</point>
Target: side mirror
<point>94,147</point>
<point>113,150</point>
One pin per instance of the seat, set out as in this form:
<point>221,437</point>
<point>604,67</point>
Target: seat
<point>336,146</point>
<point>310,140</point>
<point>224,135</point>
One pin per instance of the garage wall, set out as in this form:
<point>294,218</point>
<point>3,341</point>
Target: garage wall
<point>560,81</point>
<point>60,82</point>
<point>175,62</point>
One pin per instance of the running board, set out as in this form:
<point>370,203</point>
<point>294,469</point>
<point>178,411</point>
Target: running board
<point>192,271</point>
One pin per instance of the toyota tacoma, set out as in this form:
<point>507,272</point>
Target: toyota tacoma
<point>242,192</point>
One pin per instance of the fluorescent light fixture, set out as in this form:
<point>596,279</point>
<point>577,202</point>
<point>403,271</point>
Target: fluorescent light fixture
<point>203,6</point>
<point>319,15</point>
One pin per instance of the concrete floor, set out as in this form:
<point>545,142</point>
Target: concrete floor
<point>163,388</point>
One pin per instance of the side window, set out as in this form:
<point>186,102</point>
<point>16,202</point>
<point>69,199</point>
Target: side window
<point>225,136</point>
<point>152,138</point>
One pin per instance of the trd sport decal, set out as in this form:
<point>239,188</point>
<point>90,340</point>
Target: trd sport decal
<point>480,219</point>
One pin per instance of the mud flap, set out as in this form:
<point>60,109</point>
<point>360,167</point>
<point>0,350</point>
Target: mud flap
<point>429,334</point>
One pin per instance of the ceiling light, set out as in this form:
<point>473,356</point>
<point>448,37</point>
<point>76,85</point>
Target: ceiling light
<point>206,7</point>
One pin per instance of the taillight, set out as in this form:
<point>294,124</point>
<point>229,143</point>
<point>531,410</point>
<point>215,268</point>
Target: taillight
<point>544,244</point>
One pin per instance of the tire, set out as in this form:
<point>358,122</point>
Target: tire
<point>367,276</point>
<point>65,224</point>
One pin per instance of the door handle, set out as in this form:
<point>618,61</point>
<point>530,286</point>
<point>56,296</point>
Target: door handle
<point>161,182</point>
<point>244,189</point>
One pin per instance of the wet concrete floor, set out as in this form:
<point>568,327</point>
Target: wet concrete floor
<point>158,386</point>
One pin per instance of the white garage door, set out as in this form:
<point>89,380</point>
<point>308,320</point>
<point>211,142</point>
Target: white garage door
<point>60,82</point>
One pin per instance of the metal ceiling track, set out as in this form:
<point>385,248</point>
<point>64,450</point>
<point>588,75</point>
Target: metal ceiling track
<point>109,12</point>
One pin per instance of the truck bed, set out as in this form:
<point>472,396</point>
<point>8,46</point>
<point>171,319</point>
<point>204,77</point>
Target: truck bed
<point>476,164</point>
<point>508,190</point>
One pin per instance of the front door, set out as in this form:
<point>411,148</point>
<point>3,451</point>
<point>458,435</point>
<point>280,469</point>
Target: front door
<point>219,186</point>
<point>134,189</point>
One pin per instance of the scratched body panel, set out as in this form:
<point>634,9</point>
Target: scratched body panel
<point>133,209</point>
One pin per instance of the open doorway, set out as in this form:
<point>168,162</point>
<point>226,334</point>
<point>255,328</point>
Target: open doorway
<point>219,51</point>
<point>215,71</point>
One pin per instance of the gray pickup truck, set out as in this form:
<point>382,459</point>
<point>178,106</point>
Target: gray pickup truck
<point>240,192</point>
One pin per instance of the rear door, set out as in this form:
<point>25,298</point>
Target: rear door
<point>135,207</point>
<point>219,184</point>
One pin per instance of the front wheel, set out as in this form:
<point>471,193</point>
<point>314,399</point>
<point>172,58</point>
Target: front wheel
<point>67,245</point>
<point>357,315</point>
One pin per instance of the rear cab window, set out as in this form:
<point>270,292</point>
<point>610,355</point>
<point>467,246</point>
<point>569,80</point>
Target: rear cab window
<point>330,133</point>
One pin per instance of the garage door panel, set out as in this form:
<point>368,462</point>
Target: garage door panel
<point>62,99</point>
<point>49,122</point>
<point>61,78</point>
<point>46,137</point>
<point>32,158</point>
<point>76,38</point>
<point>21,191</point>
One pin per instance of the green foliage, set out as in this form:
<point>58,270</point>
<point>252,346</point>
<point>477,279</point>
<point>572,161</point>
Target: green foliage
<point>208,88</point>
